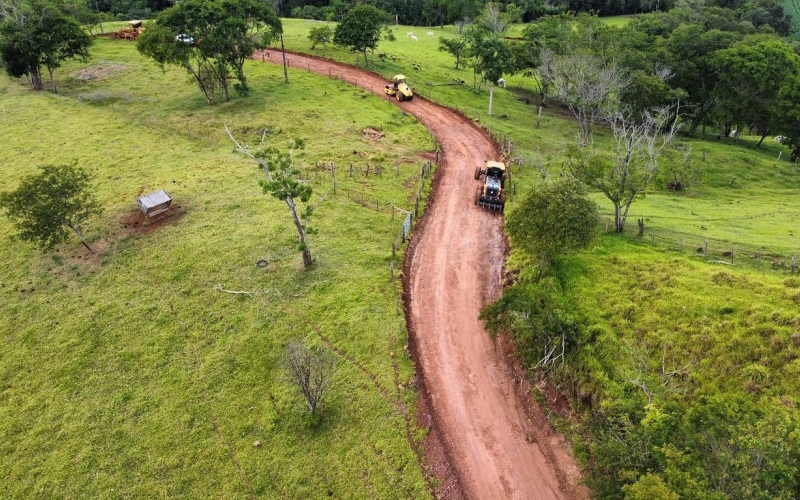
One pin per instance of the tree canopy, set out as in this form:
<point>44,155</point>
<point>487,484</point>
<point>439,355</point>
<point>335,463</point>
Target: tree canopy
<point>36,34</point>
<point>360,29</point>
<point>211,39</point>
<point>47,206</point>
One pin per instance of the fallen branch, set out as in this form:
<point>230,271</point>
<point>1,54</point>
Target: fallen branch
<point>235,292</point>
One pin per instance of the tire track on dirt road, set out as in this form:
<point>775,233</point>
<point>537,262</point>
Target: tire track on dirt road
<point>496,443</point>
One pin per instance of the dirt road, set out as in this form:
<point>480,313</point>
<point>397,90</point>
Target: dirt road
<point>488,438</point>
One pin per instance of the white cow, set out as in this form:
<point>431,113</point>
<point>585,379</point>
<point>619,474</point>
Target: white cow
<point>430,33</point>
<point>408,33</point>
<point>414,38</point>
<point>501,82</point>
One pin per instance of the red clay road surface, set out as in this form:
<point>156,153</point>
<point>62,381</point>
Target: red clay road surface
<point>495,442</point>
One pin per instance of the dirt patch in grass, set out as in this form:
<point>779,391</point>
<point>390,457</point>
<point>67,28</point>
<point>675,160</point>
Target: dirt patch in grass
<point>99,71</point>
<point>371,133</point>
<point>138,223</point>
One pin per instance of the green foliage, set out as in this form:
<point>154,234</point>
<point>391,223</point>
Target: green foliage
<point>649,487</point>
<point>490,56</point>
<point>320,35</point>
<point>755,69</point>
<point>211,36</point>
<point>787,114</point>
<point>46,207</point>
<point>554,218</point>
<point>284,183</point>
<point>360,29</point>
<point>33,35</point>
<point>540,320</point>
<point>453,46</point>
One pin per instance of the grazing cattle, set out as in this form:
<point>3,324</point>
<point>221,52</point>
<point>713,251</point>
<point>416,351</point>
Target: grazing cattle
<point>430,33</point>
<point>414,38</point>
<point>501,82</point>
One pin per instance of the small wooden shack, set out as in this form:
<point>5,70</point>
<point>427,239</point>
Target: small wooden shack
<point>154,204</point>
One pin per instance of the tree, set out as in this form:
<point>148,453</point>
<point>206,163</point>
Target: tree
<point>311,370</point>
<point>320,35</point>
<point>211,38</point>
<point>455,46</point>
<point>787,115</point>
<point>754,70</point>
<point>555,218</point>
<point>284,184</point>
<point>632,166</point>
<point>649,487</point>
<point>46,206</point>
<point>35,34</point>
<point>491,58</point>
<point>360,29</point>
<point>585,84</point>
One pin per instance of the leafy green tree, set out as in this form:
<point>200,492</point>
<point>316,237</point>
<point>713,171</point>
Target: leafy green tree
<point>211,37</point>
<point>360,29</point>
<point>491,58</point>
<point>284,183</point>
<point>35,34</point>
<point>690,48</point>
<point>454,46</point>
<point>754,71</point>
<point>555,218</point>
<point>46,206</point>
<point>320,35</point>
<point>787,115</point>
<point>649,487</point>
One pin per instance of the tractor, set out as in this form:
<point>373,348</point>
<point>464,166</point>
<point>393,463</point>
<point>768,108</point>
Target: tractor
<point>491,193</point>
<point>399,89</point>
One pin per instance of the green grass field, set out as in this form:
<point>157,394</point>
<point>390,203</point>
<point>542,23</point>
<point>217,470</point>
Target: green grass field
<point>128,374</point>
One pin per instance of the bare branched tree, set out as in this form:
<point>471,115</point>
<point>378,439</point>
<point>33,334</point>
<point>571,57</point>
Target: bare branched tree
<point>311,370</point>
<point>492,19</point>
<point>583,83</point>
<point>639,141</point>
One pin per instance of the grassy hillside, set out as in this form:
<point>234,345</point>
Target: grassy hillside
<point>128,374</point>
<point>754,212</point>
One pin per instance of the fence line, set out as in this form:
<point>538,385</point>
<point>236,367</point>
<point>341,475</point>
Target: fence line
<point>716,251</point>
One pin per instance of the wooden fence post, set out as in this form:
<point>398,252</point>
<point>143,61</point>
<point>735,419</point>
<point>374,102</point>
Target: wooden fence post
<point>705,249</point>
<point>794,262</point>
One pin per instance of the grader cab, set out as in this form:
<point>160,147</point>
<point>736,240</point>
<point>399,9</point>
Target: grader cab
<point>491,193</point>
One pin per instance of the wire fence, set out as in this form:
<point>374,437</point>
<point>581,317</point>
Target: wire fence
<point>715,251</point>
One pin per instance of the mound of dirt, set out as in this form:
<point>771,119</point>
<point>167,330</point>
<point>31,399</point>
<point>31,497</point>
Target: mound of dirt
<point>373,134</point>
<point>99,71</point>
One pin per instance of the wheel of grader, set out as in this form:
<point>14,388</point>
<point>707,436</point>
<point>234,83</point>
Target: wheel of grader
<point>477,173</point>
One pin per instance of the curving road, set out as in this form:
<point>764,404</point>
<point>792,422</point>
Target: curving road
<point>494,444</point>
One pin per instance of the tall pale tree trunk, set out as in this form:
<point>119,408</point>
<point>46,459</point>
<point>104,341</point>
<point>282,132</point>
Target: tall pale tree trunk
<point>301,231</point>
<point>491,98</point>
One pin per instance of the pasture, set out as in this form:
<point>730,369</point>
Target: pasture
<point>129,373</point>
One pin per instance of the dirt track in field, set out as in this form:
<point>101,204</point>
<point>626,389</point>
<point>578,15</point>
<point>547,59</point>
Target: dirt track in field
<point>488,438</point>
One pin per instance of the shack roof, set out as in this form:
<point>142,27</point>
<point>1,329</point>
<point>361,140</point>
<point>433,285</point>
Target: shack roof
<point>135,23</point>
<point>154,199</point>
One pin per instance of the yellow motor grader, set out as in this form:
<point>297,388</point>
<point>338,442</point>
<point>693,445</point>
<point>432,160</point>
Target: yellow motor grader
<point>399,89</point>
<point>491,193</point>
